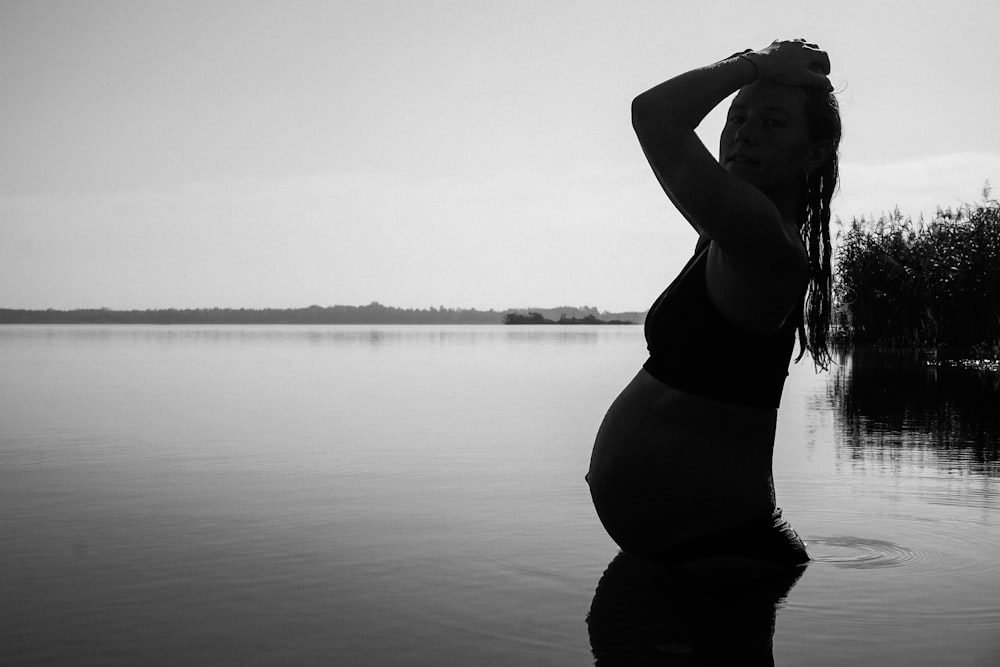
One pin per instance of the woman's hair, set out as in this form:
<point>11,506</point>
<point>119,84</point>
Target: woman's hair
<point>823,119</point>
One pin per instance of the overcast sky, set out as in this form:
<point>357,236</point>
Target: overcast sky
<point>466,154</point>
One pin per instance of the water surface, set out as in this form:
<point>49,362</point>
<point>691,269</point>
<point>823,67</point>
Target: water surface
<point>415,495</point>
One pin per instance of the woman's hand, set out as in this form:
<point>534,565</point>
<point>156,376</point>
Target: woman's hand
<point>793,63</point>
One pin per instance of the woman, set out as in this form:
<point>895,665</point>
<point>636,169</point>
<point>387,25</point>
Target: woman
<point>681,467</point>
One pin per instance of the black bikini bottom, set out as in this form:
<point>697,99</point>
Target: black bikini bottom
<point>770,540</point>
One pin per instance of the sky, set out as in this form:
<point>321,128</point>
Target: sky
<point>474,154</point>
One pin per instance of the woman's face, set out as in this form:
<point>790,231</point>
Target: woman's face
<point>766,139</point>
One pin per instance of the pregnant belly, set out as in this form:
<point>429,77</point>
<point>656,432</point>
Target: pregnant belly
<point>668,467</point>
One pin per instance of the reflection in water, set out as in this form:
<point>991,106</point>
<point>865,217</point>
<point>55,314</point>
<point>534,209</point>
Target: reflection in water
<point>325,334</point>
<point>892,407</point>
<point>645,613</point>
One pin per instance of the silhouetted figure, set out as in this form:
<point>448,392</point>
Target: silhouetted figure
<point>644,613</point>
<point>681,467</point>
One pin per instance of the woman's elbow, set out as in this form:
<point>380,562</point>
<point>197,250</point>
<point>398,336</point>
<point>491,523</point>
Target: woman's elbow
<point>643,116</point>
<point>640,112</point>
<point>652,122</point>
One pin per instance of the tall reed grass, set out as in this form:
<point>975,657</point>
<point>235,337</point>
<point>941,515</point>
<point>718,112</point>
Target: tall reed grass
<point>914,284</point>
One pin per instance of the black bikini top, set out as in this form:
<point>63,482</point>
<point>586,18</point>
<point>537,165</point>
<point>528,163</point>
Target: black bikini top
<point>694,348</point>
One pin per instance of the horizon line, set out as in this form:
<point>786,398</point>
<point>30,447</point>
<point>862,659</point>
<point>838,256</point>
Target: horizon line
<point>311,306</point>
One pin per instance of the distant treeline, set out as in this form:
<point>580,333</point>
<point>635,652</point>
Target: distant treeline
<point>571,315</point>
<point>373,313</point>
<point>537,318</point>
<point>933,284</point>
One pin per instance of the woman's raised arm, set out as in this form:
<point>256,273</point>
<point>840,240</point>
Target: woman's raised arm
<point>743,221</point>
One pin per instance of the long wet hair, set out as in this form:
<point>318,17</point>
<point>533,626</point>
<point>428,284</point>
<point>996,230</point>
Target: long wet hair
<point>823,120</point>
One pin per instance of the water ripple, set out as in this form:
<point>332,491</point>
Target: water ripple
<point>856,552</point>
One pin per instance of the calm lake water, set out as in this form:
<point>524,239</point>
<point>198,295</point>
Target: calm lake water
<point>415,496</point>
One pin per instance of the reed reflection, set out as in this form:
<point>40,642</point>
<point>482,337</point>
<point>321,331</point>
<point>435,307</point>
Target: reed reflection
<point>647,613</point>
<point>893,405</point>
